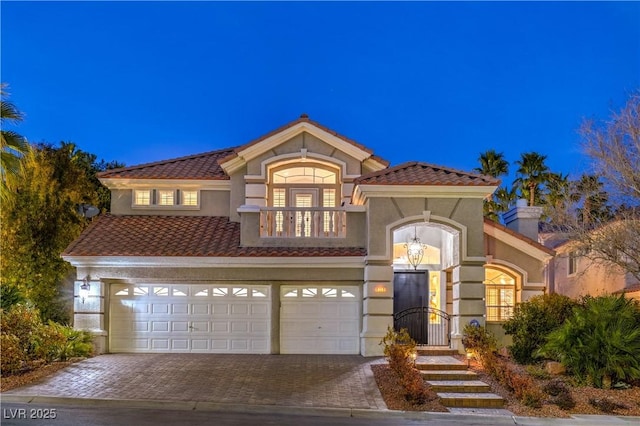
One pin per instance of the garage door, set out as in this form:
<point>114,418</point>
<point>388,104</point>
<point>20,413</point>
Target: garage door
<point>189,318</point>
<point>319,320</point>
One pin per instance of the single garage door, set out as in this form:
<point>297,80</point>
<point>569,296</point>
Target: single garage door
<point>319,320</point>
<point>189,318</point>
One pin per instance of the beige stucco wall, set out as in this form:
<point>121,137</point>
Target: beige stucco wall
<point>212,203</point>
<point>384,211</point>
<point>237,194</point>
<point>312,145</point>
<point>590,279</point>
<point>500,251</point>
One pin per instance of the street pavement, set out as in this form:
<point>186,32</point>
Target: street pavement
<point>310,385</point>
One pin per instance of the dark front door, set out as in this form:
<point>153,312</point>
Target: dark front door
<point>410,290</point>
<point>411,310</point>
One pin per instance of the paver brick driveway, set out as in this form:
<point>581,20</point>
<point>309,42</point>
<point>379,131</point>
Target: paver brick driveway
<point>344,381</point>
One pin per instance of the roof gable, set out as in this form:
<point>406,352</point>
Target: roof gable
<point>517,240</point>
<point>267,142</point>
<point>417,173</point>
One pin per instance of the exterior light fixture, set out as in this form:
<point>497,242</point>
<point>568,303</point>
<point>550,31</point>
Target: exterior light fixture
<point>85,287</point>
<point>415,250</point>
<point>469,356</point>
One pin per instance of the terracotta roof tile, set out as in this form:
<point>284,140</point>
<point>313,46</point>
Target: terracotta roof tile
<point>416,173</point>
<point>199,166</point>
<point>518,235</point>
<point>198,236</point>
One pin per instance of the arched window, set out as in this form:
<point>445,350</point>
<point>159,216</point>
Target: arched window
<point>500,291</point>
<point>301,188</point>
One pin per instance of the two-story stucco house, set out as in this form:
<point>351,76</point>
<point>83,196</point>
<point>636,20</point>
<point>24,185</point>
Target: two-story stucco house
<point>300,241</point>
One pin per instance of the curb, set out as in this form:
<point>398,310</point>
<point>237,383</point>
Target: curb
<point>480,419</point>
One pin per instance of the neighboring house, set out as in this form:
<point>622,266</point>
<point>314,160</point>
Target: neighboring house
<point>576,275</point>
<point>301,241</point>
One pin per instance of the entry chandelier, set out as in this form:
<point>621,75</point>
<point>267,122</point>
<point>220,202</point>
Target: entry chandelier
<point>415,250</point>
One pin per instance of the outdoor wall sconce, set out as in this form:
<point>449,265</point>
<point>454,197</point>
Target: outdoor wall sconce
<point>84,288</point>
<point>415,250</point>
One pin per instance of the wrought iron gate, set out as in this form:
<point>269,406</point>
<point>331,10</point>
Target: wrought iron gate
<point>427,326</point>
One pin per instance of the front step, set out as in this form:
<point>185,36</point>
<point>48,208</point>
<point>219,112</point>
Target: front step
<point>471,400</point>
<point>448,375</point>
<point>459,386</point>
<point>436,351</point>
<point>439,363</point>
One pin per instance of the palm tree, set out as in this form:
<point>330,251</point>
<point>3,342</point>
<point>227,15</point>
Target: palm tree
<point>589,190</point>
<point>12,145</point>
<point>492,164</point>
<point>532,174</point>
<point>558,199</point>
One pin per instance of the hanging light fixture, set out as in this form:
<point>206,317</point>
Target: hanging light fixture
<point>85,287</point>
<point>415,250</point>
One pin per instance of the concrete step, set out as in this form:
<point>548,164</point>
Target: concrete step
<point>459,386</point>
<point>471,400</point>
<point>464,375</point>
<point>436,350</point>
<point>439,363</point>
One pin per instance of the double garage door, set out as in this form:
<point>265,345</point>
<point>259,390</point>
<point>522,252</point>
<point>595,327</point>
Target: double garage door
<point>232,319</point>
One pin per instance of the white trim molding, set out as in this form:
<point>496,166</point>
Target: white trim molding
<point>218,262</point>
<point>362,192</point>
<point>517,243</point>
<point>208,184</point>
<point>255,150</point>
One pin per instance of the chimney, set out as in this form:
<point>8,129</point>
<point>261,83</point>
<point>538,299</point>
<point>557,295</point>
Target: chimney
<point>523,219</point>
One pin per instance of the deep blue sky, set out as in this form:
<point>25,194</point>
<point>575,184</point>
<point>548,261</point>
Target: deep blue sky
<point>435,82</point>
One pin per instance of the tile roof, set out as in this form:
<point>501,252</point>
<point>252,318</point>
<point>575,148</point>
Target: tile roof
<point>630,289</point>
<point>197,236</point>
<point>416,173</point>
<point>304,118</point>
<point>199,166</point>
<point>518,235</point>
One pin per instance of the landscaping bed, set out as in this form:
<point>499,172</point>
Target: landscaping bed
<point>393,395</point>
<point>33,375</point>
<point>580,394</point>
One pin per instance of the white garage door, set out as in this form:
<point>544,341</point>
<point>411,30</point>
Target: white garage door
<point>189,318</point>
<point>319,320</point>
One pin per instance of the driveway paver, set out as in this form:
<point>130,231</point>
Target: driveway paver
<point>339,381</point>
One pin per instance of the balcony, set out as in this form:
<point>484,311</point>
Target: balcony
<point>303,222</point>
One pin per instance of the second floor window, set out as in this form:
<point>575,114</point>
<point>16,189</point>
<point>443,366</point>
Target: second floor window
<point>166,197</point>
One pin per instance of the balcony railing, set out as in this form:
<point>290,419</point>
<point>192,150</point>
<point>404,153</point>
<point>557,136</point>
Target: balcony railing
<point>302,222</point>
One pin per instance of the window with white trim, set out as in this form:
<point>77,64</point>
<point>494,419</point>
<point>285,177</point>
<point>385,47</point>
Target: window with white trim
<point>189,198</point>
<point>166,197</point>
<point>500,294</point>
<point>142,197</point>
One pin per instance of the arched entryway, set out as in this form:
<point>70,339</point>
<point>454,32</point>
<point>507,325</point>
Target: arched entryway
<point>423,253</point>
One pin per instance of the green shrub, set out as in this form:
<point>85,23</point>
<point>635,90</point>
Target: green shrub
<point>12,355</point>
<point>24,323</point>
<point>400,350</point>
<point>532,321</point>
<point>26,341</point>
<point>10,295</point>
<point>478,339</point>
<point>77,343</point>
<point>600,342</point>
